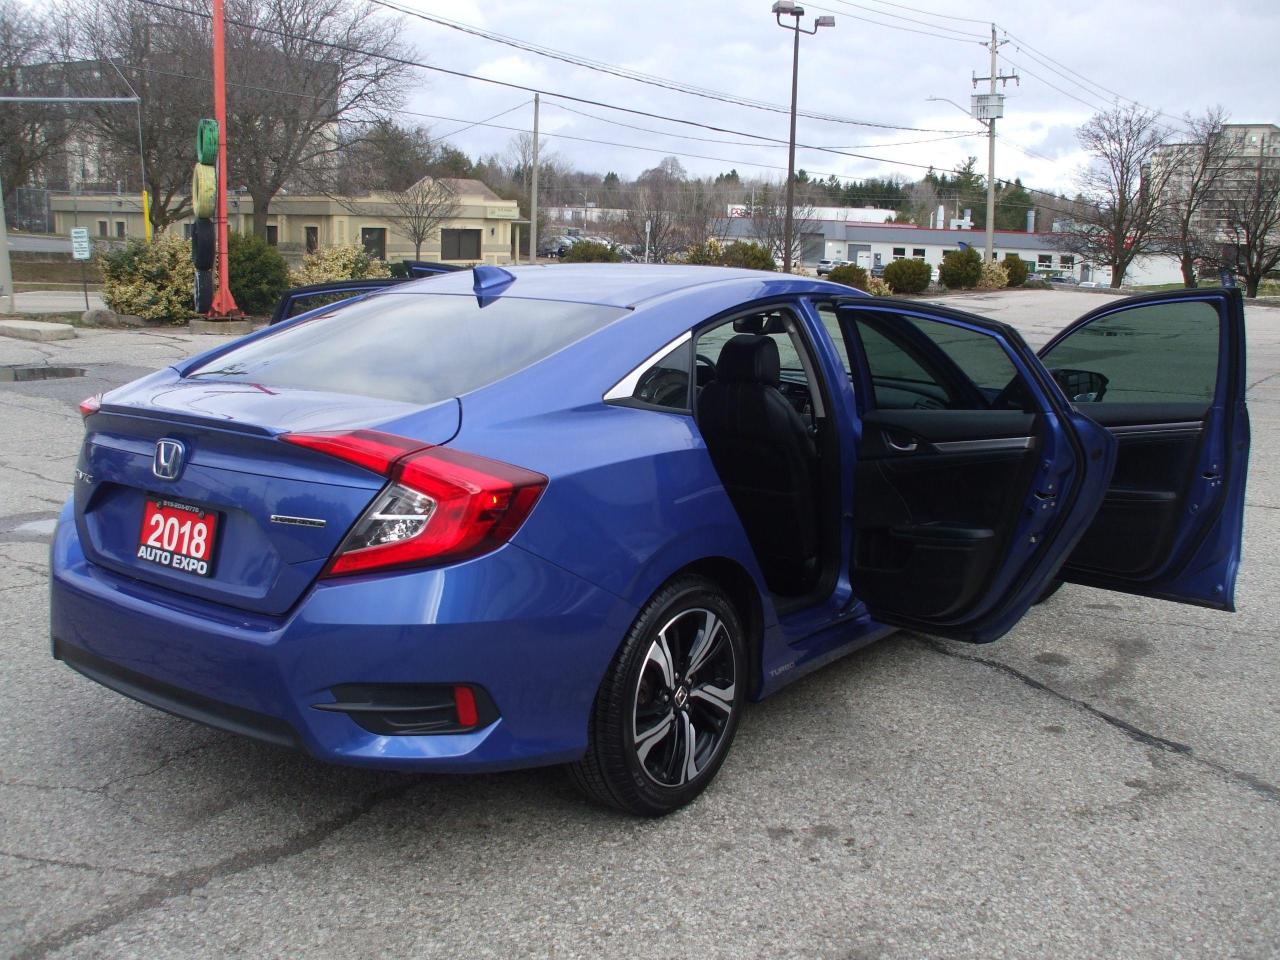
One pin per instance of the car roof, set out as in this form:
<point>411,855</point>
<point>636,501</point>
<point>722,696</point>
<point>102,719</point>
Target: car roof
<point>612,284</point>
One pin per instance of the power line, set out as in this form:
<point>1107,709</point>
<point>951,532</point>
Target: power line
<point>1049,83</point>
<point>746,143</point>
<point>893,26</point>
<point>633,75</point>
<point>930,13</point>
<point>1088,86</point>
<point>898,16</point>
<point>404,61</point>
<point>503,83</point>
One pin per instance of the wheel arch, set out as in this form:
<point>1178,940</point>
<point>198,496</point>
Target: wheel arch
<point>743,592</point>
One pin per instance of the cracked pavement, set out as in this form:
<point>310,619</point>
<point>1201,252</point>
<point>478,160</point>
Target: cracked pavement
<point>1101,782</point>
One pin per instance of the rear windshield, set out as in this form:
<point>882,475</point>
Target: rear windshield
<point>419,348</point>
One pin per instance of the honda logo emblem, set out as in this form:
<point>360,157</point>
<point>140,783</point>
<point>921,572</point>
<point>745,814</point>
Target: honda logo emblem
<point>169,457</point>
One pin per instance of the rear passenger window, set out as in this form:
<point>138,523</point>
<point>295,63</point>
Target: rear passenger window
<point>923,364</point>
<point>666,382</point>
<point>1159,353</point>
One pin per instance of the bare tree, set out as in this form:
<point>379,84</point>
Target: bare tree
<point>1202,164</point>
<point>160,55</point>
<point>654,207</point>
<point>703,212</point>
<point>1250,217</point>
<point>30,133</point>
<point>517,170</point>
<point>1122,191</point>
<point>768,212</point>
<point>374,157</point>
<point>296,68</point>
<point>654,216</point>
<point>420,209</point>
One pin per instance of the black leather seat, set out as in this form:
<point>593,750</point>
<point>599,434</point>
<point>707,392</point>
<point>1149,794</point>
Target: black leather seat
<point>766,460</point>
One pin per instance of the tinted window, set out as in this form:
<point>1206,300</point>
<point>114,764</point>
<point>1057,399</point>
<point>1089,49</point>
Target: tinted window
<point>929,364</point>
<point>1162,353</point>
<point>666,382</point>
<point>831,321</point>
<point>419,348</point>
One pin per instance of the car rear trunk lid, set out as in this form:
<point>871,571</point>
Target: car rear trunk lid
<point>281,510</point>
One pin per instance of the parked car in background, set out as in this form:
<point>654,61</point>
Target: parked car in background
<point>583,515</point>
<point>826,266</point>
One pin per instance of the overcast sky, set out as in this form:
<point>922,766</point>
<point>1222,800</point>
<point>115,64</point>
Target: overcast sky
<point>1172,55</point>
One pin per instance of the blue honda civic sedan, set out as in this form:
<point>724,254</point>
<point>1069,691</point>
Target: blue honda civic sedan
<point>583,514</point>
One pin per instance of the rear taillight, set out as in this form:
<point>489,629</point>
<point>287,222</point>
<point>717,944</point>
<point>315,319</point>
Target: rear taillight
<point>440,506</point>
<point>90,405</point>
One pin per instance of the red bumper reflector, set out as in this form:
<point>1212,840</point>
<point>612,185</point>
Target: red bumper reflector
<point>464,701</point>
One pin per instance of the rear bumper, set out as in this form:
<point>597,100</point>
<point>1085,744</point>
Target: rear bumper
<point>536,638</point>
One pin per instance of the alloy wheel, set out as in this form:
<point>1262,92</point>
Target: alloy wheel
<point>684,697</point>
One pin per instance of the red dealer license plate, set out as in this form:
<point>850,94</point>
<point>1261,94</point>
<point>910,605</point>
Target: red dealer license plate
<point>178,536</point>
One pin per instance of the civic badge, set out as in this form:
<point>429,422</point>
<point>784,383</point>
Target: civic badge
<point>169,458</point>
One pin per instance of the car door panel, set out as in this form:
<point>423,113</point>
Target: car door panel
<point>962,514</point>
<point>1170,523</point>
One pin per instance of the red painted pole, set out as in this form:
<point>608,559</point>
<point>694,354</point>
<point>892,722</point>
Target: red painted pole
<point>224,305</point>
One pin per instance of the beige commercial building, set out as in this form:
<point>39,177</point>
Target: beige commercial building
<point>486,228</point>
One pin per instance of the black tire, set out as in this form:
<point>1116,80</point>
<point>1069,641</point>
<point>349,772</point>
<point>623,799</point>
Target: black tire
<point>699,710</point>
<point>202,244</point>
<point>1053,587</point>
<point>203,298</point>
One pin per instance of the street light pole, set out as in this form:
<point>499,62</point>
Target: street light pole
<point>780,9</point>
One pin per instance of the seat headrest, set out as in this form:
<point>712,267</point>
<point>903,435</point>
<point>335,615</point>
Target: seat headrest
<point>749,357</point>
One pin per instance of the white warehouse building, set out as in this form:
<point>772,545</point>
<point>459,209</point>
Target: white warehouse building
<point>878,244</point>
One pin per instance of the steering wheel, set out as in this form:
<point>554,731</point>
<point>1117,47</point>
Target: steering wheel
<point>664,387</point>
<point>704,369</point>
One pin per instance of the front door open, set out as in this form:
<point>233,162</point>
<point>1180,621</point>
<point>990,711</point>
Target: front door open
<point>1165,374</point>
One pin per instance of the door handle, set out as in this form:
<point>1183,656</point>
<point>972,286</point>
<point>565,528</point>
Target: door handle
<point>908,447</point>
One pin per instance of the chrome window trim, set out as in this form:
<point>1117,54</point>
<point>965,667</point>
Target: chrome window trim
<point>625,388</point>
<point>980,446</point>
<point>1190,426</point>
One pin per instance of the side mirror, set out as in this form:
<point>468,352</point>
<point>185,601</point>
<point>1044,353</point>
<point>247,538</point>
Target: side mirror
<point>1080,386</point>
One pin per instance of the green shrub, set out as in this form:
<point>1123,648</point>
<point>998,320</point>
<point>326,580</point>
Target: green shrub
<point>747,256</point>
<point>590,251</point>
<point>1016,268</point>
<point>348,262</point>
<point>961,269</point>
<point>851,275</point>
<point>154,280</point>
<point>908,276</point>
<point>257,272</point>
<point>740,254</point>
<point>705,254</point>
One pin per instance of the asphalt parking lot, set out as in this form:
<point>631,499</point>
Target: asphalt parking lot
<point>1103,782</point>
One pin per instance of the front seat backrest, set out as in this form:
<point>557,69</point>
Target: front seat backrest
<point>765,457</point>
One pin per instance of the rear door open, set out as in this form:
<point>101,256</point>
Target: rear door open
<point>974,477</point>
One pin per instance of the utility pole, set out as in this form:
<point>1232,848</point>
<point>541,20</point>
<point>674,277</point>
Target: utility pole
<point>987,110</point>
<point>533,189</point>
